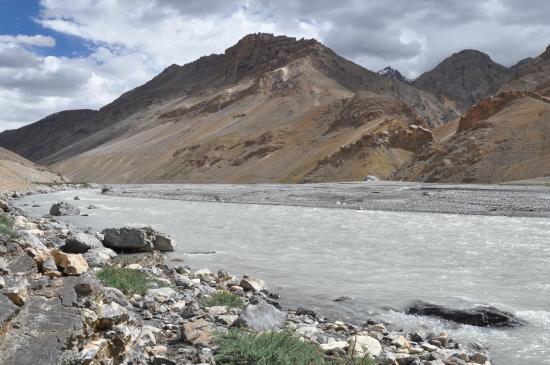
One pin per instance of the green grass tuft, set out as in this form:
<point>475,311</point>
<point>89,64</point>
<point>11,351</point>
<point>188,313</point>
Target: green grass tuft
<point>224,298</point>
<point>241,347</point>
<point>6,226</point>
<point>238,347</point>
<point>129,281</point>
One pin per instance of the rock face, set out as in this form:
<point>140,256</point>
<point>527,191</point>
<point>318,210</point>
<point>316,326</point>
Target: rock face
<point>478,316</point>
<point>64,208</point>
<point>130,239</point>
<point>465,77</point>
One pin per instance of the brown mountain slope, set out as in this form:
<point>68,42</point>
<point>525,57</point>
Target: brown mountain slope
<point>17,173</point>
<point>268,109</point>
<point>503,138</point>
<point>464,78</point>
<point>533,75</point>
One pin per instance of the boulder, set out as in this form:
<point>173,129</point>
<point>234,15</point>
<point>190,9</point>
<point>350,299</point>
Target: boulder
<point>262,317</point>
<point>64,208</point>
<point>81,243</point>
<point>98,257</point>
<point>133,239</point>
<point>482,316</point>
<point>249,283</point>
<point>72,264</point>
<point>364,345</point>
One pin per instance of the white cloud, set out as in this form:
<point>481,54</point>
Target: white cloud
<point>132,40</point>
<point>32,40</point>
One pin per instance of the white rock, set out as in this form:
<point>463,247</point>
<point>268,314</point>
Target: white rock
<point>332,345</point>
<point>364,345</point>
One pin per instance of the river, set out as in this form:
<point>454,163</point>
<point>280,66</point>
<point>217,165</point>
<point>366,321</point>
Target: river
<point>383,260</point>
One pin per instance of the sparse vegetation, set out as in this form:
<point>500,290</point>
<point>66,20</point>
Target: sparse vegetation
<point>224,298</point>
<point>241,347</point>
<point>127,280</point>
<point>6,226</point>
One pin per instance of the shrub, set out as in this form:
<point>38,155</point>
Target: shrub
<point>127,280</point>
<point>238,347</point>
<point>6,226</point>
<point>224,298</point>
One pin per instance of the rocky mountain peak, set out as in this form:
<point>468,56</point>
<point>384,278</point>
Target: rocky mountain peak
<point>393,74</point>
<point>546,54</point>
<point>261,52</point>
<point>465,77</point>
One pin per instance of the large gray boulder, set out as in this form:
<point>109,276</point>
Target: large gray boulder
<point>132,239</point>
<point>64,208</point>
<point>81,243</point>
<point>262,317</point>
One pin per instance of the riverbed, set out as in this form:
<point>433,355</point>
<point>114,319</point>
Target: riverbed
<point>384,260</point>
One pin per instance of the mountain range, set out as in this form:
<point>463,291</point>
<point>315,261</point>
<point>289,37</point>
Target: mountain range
<point>280,109</point>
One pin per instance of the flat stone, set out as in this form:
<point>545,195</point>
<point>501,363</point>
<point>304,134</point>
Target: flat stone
<point>98,257</point>
<point>161,295</point>
<point>333,345</point>
<point>44,327</point>
<point>198,332</point>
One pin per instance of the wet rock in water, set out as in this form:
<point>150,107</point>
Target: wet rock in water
<point>4,206</point>
<point>105,190</point>
<point>262,317</point>
<point>343,299</point>
<point>92,207</point>
<point>72,264</point>
<point>81,243</point>
<point>98,257</point>
<point>484,316</point>
<point>132,239</point>
<point>197,332</point>
<point>64,208</point>
<point>76,198</point>
<point>364,345</point>
<point>249,283</point>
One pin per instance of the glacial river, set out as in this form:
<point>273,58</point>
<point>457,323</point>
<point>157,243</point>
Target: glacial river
<point>383,260</point>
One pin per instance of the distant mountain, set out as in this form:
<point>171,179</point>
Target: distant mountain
<point>464,78</point>
<point>393,74</point>
<point>49,135</point>
<point>277,109</point>
<point>268,109</point>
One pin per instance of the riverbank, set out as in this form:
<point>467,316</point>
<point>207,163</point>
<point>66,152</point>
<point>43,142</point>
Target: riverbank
<point>78,319</point>
<point>491,200</point>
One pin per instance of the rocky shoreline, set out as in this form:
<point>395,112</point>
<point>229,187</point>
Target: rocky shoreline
<point>56,308</point>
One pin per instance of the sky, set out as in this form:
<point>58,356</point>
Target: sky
<point>57,54</point>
